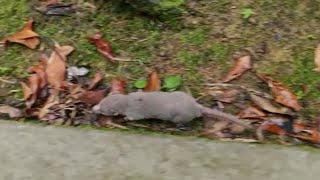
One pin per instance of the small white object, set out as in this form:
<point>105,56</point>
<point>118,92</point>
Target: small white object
<point>77,71</point>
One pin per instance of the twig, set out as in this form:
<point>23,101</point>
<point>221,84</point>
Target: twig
<point>116,125</point>
<point>123,60</point>
<point>6,81</point>
<point>249,90</point>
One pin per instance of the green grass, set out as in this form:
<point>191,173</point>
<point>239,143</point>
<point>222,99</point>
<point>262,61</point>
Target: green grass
<point>194,37</point>
<point>191,47</point>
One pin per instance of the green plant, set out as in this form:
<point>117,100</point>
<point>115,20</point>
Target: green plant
<point>173,82</point>
<point>140,84</point>
<point>246,13</point>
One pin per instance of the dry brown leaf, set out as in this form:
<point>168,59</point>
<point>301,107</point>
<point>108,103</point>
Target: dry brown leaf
<point>242,65</point>
<point>25,36</point>
<point>102,46</point>
<point>31,89</point>
<point>270,127</point>
<point>282,94</point>
<point>98,77</point>
<point>266,105</point>
<point>154,82</point>
<point>56,66</point>
<point>26,90</point>
<point>285,97</point>
<point>45,109</point>
<point>53,97</point>
<point>63,51</point>
<point>40,71</point>
<point>314,136</point>
<point>11,111</point>
<point>215,127</point>
<point>75,90</point>
<point>228,96</point>
<point>251,112</point>
<point>118,86</point>
<point>34,82</point>
<point>43,59</point>
<point>298,127</point>
<point>317,58</point>
<point>92,97</point>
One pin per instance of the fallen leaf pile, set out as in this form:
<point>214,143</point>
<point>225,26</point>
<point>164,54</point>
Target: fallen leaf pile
<point>274,113</point>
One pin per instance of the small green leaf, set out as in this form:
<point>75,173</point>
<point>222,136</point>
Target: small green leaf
<point>5,70</point>
<point>246,13</point>
<point>140,84</point>
<point>172,82</point>
<point>299,94</point>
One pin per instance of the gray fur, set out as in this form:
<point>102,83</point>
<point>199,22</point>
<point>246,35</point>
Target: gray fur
<point>177,107</point>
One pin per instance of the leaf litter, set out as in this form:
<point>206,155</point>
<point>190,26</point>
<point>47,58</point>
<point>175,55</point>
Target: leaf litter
<point>51,95</point>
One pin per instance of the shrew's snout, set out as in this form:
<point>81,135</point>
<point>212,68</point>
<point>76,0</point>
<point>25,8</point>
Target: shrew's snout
<point>96,109</point>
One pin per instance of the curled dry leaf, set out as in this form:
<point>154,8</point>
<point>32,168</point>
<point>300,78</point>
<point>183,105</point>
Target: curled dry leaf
<point>317,58</point>
<point>92,97</point>
<point>40,71</point>
<point>154,82</point>
<point>251,112</point>
<point>25,36</point>
<point>266,105</point>
<point>228,96</point>
<point>31,89</point>
<point>45,109</point>
<point>11,111</point>
<point>103,46</point>
<point>56,66</point>
<point>34,83</point>
<point>271,127</point>
<point>282,94</point>
<point>216,127</point>
<point>26,90</point>
<point>98,77</point>
<point>53,96</point>
<point>118,86</point>
<point>298,127</point>
<point>313,136</point>
<point>242,65</point>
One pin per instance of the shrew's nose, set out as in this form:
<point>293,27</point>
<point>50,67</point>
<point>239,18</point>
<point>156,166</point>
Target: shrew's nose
<point>96,109</point>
